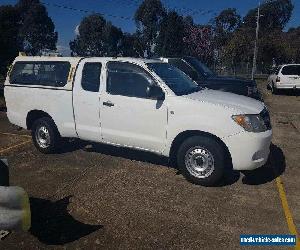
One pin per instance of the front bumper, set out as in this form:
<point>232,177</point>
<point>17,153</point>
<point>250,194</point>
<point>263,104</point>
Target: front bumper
<point>249,150</point>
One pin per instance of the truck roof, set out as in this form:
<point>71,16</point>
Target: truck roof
<point>77,59</point>
<point>130,59</point>
<point>47,58</point>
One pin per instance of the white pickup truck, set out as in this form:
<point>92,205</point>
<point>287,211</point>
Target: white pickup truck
<point>143,104</point>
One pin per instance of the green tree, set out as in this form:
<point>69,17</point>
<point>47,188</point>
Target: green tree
<point>292,43</point>
<point>112,37</point>
<point>275,14</point>
<point>36,30</point>
<point>132,45</point>
<point>96,38</point>
<point>170,38</point>
<point>224,25</point>
<point>148,18</point>
<point>273,48</point>
<point>8,36</point>
<point>239,49</point>
<point>188,20</point>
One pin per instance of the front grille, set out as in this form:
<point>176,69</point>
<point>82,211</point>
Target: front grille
<point>264,114</point>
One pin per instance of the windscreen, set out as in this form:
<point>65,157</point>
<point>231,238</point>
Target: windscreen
<point>176,80</point>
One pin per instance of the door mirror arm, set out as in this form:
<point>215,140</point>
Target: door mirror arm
<point>155,92</point>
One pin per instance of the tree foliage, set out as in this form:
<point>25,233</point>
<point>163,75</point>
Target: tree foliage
<point>291,39</point>
<point>148,17</point>
<point>26,27</point>
<point>170,38</point>
<point>132,45</point>
<point>97,37</point>
<point>224,25</point>
<point>8,36</point>
<point>198,42</point>
<point>36,31</point>
<point>275,14</point>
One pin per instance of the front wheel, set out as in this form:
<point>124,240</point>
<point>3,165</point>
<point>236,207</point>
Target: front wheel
<point>45,135</point>
<point>201,160</point>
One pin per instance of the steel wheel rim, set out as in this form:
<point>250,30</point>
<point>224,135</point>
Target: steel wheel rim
<point>199,162</point>
<point>42,137</point>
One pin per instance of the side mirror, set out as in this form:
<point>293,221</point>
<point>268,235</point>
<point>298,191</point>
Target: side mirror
<point>155,92</point>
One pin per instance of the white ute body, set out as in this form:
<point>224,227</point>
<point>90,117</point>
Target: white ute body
<point>141,123</point>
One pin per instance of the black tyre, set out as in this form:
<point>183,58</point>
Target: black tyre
<point>45,135</point>
<point>274,89</point>
<point>201,160</point>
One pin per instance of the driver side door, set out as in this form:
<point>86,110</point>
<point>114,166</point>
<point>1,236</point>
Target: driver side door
<point>128,116</point>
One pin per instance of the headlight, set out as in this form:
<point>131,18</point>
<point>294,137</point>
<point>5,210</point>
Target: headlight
<point>251,123</point>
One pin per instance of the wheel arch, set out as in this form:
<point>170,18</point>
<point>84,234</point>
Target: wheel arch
<point>182,136</point>
<point>35,114</point>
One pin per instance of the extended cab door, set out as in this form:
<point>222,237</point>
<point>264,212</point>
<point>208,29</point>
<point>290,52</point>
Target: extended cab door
<point>128,116</point>
<point>86,97</point>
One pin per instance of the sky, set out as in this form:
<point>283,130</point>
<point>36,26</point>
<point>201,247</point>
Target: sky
<point>121,12</point>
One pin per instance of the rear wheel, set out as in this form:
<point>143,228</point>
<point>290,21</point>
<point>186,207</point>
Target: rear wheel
<point>45,135</point>
<point>201,160</point>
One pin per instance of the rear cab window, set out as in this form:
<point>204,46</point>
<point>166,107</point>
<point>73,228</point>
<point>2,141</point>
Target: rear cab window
<point>291,70</point>
<point>41,73</point>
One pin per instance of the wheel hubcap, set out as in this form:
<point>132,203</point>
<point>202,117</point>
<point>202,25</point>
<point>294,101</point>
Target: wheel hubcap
<point>42,137</point>
<point>199,162</point>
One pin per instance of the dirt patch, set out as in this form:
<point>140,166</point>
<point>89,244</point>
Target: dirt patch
<point>2,104</point>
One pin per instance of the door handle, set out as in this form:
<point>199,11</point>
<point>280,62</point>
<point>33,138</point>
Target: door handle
<point>108,103</point>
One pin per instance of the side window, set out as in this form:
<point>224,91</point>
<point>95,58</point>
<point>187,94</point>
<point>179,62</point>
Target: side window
<point>54,74</point>
<point>291,70</point>
<point>90,80</point>
<point>127,79</point>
